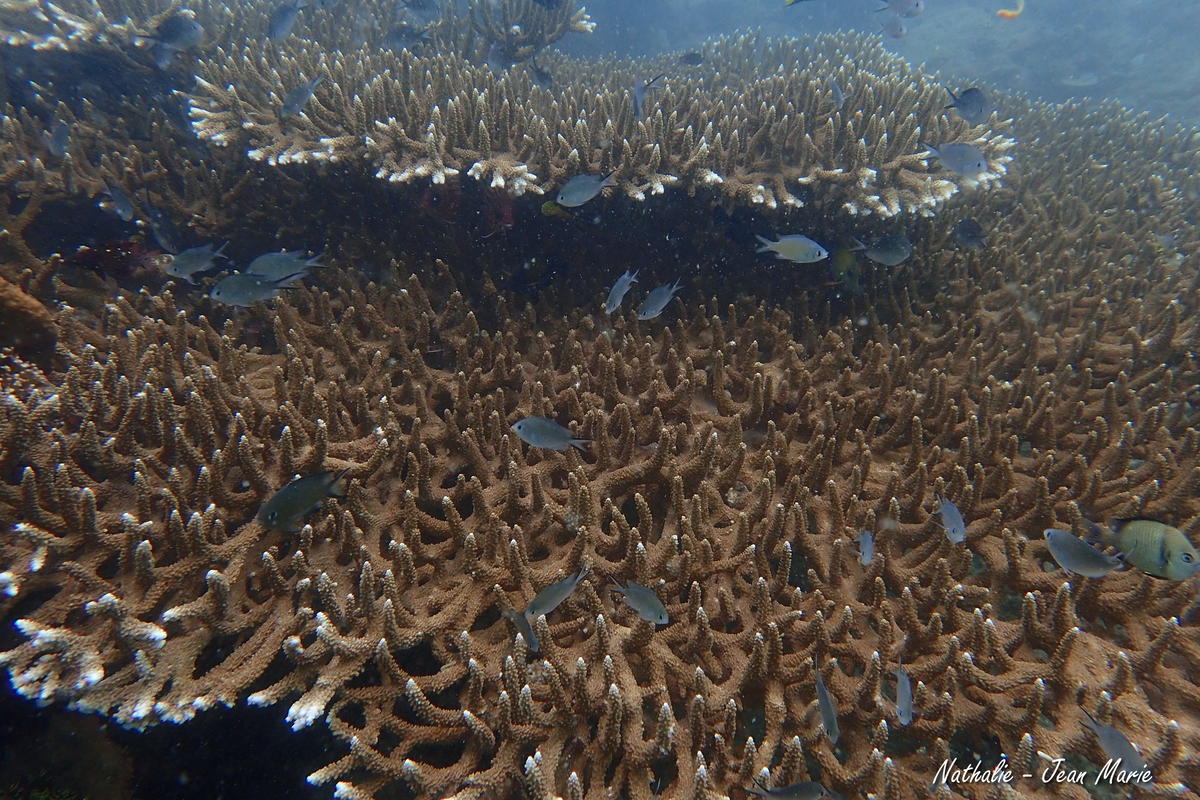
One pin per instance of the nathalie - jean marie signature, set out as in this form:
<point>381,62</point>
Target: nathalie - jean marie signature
<point>1055,771</point>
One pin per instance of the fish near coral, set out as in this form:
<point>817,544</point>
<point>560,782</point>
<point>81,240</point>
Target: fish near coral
<point>283,19</point>
<point>296,98</point>
<point>656,302</point>
<point>952,520</point>
<point>890,251</point>
<point>545,432</point>
<point>894,28</point>
<point>640,88</point>
<point>972,105</point>
<point>194,260</point>
<point>582,188</point>
<point>866,547</point>
<point>969,233</point>
<point>960,158</point>
<point>1077,556</point>
<point>903,8</point>
<point>793,247</point>
<point>521,623</point>
<point>829,715</point>
<point>617,293</point>
<point>904,696</point>
<point>805,790</point>
<point>1153,547</point>
<point>292,265</point>
<point>644,601</point>
<point>553,595</point>
<point>287,508</point>
<point>241,289</point>
<point>1117,746</point>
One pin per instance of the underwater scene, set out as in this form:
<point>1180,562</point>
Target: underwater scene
<point>518,400</point>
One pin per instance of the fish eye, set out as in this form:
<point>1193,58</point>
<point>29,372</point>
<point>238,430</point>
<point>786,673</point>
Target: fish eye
<point>272,516</point>
<point>1187,558</point>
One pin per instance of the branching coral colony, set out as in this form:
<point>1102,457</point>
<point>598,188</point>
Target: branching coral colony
<point>735,455</point>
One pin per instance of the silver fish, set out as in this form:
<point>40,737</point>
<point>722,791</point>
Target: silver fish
<point>119,202</point>
<point>972,105</point>
<point>58,139</point>
<point>839,96</point>
<point>644,601</point>
<point>656,302</point>
<point>894,27</point>
<point>793,247</point>
<point>903,8</point>
<point>866,547</point>
<point>1116,746</point>
<point>283,19</point>
<point>273,266</point>
<point>952,520</point>
<point>553,595</point>
<point>639,94</point>
<point>296,98</point>
<point>545,432</point>
<point>583,188</point>
<point>405,35</point>
<point>1075,555</point>
<point>521,623</point>
<point>240,289</point>
<point>805,790</point>
<point>960,158</point>
<point>829,717</point>
<point>193,260</point>
<point>904,696</point>
<point>617,293</point>
<point>889,250</point>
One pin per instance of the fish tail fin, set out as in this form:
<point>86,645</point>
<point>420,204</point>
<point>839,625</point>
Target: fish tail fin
<point>766,243</point>
<point>220,251</point>
<point>608,179</point>
<point>1093,533</point>
<point>579,444</point>
<point>927,146</point>
<point>953,98</point>
<point>858,245</point>
<point>337,488</point>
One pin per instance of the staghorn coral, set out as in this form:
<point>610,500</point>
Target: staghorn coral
<point>732,461</point>
<point>413,117</point>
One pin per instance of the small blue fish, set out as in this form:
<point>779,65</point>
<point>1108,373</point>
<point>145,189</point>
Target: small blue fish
<point>583,188</point>
<point>639,94</point>
<point>553,595</point>
<point>903,8</point>
<point>58,140</point>
<point>829,717</point>
<point>866,547</point>
<point>893,27</point>
<point>521,623</point>
<point>297,97</point>
<point>273,266</point>
<point>969,233</point>
<point>1077,556</point>
<point>805,790</point>
<point>617,293</point>
<point>287,508</point>
<point>194,260</point>
<point>240,289</point>
<point>888,250</point>
<point>118,202</point>
<point>161,227</point>
<point>644,601</point>
<point>952,520</point>
<point>793,247</point>
<point>839,96</point>
<point>904,696</point>
<point>972,105</point>
<point>960,158</point>
<point>656,302</point>
<point>283,19</point>
<point>1117,746</point>
<point>545,432</point>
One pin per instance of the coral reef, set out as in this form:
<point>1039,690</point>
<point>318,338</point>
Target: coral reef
<point>731,463</point>
<point>415,117</point>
